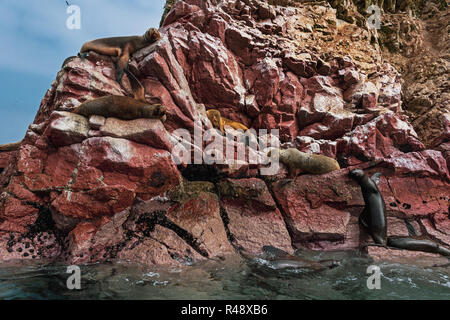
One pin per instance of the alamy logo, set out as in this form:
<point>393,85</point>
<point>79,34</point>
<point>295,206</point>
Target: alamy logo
<point>74,281</point>
<point>374,281</point>
<point>236,148</point>
<point>73,22</point>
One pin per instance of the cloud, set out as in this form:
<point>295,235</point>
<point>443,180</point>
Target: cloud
<point>38,41</point>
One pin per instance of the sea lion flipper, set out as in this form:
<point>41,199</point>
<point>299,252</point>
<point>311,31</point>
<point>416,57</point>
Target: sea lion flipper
<point>122,64</point>
<point>364,217</point>
<point>136,86</point>
<point>119,73</point>
<point>376,177</point>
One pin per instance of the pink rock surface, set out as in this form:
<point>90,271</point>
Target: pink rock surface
<point>4,159</point>
<point>105,187</point>
<point>251,212</point>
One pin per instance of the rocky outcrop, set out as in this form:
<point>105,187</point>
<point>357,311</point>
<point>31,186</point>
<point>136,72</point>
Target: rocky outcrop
<point>94,189</point>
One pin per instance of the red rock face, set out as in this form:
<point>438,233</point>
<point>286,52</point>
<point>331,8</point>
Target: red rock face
<point>111,189</point>
<point>4,159</point>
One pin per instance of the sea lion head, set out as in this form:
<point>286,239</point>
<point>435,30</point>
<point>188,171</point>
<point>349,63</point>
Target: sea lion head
<point>214,116</point>
<point>153,111</point>
<point>152,35</point>
<point>357,174</point>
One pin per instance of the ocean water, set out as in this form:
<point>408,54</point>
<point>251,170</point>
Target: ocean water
<point>233,278</point>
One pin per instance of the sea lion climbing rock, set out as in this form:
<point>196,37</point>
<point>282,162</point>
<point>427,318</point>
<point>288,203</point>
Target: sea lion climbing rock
<point>298,161</point>
<point>121,47</point>
<point>121,107</point>
<point>373,217</point>
<point>220,122</point>
<point>409,243</point>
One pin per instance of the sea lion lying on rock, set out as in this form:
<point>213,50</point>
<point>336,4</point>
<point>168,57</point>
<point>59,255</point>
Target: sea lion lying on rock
<point>220,122</point>
<point>123,107</point>
<point>120,107</point>
<point>121,47</point>
<point>297,161</point>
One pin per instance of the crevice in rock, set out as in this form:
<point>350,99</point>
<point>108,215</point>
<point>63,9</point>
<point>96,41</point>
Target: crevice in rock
<point>202,172</point>
<point>411,230</point>
<point>226,221</point>
<point>392,191</point>
<point>185,235</point>
<point>339,205</point>
<point>283,213</point>
<point>417,186</point>
<point>159,217</point>
<point>43,223</point>
<point>424,231</point>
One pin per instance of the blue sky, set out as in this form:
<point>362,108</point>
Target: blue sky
<point>35,42</point>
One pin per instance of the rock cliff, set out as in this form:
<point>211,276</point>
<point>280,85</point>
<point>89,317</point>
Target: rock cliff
<point>83,190</point>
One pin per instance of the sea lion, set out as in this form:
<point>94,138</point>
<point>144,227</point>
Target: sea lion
<point>68,60</point>
<point>220,122</point>
<point>373,217</point>
<point>298,161</point>
<point>10,146</point>
<point>121,47</point>
<point>136,86</point>
<point>415,244</point>
<point>277,259</point>
<point>281,259</point>
<point>120,107</point>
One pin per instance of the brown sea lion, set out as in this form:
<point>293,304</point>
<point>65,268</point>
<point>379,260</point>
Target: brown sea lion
<point>297,161</point>
<point>373,217</point>
<point>120,107</point>
<point>10,146</point>
<point>136,86</point>
<point>220,122</point>
<point>120,47</point>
